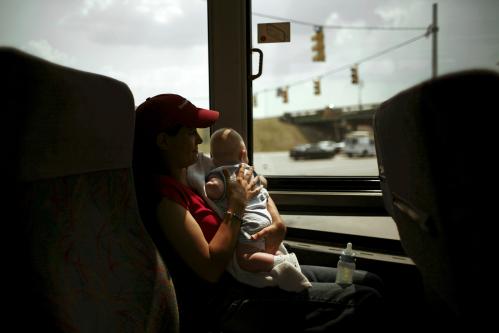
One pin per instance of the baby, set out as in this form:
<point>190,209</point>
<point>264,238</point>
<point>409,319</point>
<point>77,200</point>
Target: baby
<point>228,152</point>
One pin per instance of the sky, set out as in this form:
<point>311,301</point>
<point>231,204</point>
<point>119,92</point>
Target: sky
<point>158,46</point>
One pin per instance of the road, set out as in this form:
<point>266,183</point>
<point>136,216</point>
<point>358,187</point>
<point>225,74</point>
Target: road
<point>279,163</point>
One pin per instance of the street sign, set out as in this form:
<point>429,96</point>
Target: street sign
<point>274,32</point>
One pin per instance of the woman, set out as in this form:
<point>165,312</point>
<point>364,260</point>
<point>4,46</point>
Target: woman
<point>197,245</point>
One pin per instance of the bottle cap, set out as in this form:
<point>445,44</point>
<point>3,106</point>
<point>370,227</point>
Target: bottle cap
<point>347,254</point>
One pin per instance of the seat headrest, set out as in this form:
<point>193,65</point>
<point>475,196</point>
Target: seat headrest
<point>61,121</point>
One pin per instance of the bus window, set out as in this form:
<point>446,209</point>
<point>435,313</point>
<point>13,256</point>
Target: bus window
<point>152,46</point>
<point>344,58</point>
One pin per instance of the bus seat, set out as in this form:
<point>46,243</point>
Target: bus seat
<point>435,144</point>
<point>80,259</point>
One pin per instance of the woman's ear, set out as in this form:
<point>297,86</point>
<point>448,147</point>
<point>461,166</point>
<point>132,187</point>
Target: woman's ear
<point>162,141</point>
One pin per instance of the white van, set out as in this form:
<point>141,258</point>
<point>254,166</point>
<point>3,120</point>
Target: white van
<point>359,143</point>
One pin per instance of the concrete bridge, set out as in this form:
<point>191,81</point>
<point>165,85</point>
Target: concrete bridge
<point>334,122</point>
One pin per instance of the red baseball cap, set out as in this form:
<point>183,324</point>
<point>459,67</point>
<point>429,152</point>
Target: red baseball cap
<point>168,110</point>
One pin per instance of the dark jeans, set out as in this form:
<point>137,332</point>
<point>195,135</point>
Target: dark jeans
<point>325,307</point>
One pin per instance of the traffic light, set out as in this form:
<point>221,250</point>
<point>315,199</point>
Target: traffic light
<point>318,47</point>
<point>317,87</point>
<point>355,74</point>
<point>279,92</point>
<point>283,92</point>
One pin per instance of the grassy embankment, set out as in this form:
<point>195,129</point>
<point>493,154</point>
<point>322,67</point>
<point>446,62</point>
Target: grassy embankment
<point>271,134</point>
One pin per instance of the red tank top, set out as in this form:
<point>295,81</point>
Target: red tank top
<point>177,192</point>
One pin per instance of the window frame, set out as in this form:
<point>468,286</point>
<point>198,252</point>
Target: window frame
<point>327,195</point>
<point>229,44</point>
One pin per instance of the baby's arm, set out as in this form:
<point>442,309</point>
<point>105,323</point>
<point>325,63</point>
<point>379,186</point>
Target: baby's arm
<point>252,259</point>
<point>214,188</point>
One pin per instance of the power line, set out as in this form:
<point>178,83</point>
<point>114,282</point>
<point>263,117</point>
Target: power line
<point>345,27</point>
<point>342,68</point>
<point>412,40</point>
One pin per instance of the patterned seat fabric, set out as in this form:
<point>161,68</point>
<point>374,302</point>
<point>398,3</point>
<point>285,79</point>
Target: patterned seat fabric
<point>94,262</point>
<point>81,260</point>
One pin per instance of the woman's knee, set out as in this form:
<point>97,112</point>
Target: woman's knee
<point>368,279</point>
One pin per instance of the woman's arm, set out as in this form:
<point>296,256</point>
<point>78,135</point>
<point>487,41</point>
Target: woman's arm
<point>275,233</point>
<point>208,260</point>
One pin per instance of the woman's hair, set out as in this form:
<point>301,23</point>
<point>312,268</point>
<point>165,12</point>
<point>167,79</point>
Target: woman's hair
<point>147,165</point>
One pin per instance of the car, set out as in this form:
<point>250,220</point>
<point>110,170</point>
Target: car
<point>321,149</point>
<point>340,146</point>
<point>359,143</point>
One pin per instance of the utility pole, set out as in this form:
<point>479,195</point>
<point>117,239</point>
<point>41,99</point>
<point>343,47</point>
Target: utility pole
<point>434,30</point>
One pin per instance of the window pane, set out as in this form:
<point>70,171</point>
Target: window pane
<point>372,49</point>
<point>153,46</point>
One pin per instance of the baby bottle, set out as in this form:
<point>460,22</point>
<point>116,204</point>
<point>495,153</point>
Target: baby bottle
<point>346,266</point>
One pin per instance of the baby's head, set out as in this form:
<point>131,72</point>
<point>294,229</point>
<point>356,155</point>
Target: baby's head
<point>227,147</point>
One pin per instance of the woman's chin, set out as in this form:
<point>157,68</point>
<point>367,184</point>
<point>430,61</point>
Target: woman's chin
<point>195,158</point>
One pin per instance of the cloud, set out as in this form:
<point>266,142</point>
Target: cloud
<point>399,14</point>
<point>394,16</point>
<point>161,11</point>
<point>91,5</point>
<point>43,49</point>
<point>166,75</point>
<point>140,22</point>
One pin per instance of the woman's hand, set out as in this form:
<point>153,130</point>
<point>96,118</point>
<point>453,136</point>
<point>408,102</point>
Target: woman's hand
<point>273,235</point>
<point>241,189</point>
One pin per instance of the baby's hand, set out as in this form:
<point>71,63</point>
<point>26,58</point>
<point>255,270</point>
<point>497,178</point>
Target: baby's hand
<point>273,235</point>
<point>214,188</point>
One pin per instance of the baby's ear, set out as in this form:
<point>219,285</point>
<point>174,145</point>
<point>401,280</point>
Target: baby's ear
<point>243,155</point>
